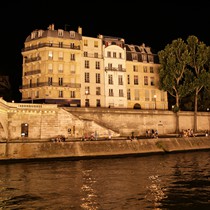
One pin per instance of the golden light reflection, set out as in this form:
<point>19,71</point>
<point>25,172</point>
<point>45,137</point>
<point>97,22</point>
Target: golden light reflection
<point>89,193</point>
<point>156,191</point>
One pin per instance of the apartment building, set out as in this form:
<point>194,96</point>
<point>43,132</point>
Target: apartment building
<point>142,79</point>
<point>51,71</point>
<point>92,73</point>
<point>114,55</point>
<point>69,69</point>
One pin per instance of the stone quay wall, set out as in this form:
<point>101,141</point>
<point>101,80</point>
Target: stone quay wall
<point>45,121</point>
<point>89,149</point>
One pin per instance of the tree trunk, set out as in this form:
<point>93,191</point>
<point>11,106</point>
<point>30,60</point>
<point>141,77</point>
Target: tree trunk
<point>195,110</point>
<point>177,114</point>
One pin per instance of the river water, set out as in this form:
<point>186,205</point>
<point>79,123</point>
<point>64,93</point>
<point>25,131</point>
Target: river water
<point>163,181</point>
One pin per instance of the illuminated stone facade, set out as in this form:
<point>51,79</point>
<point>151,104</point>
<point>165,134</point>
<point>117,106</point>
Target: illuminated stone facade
<point>66,68</point>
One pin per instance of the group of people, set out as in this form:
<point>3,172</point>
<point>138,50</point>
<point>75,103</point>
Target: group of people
<point>187,133</point>
<point>59,138</point>
<point>151,133</point>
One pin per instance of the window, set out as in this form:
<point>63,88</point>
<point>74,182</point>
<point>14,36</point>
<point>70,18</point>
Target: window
<point>136,94</point>
<point>72,34</point>
<point>120,55</point>
<point>95,55</point>
<point>121,93</point>
<point>152,81</point>
<point>136,80</point>
<point>85,54</point>
<point>60,44</point>
<point>146,95</point>
<point>144,57</point>
<point>145,69</point>
<point>98,102</point>
<point>50,80</point>
<point>128,79</point>
<point>135,68</point>
<point>30,83</point>
<point>109,54</point>
<point>40,32</point>
<point>24,129</point>
<point>50,55</point>
<point>72,45</point>
<point>134,56</point>
<point>72,94</point>
<point>114,54</point>
<point>111,93</point>
<point>72,57</point>
<point>151,58</point>
<point>97,65</point>
<point>98,78</point>
<point>120,80</point>
<point>110,66</point>
<point>110,79</point>
<point>85,42</point>
<point>151,69</point>
<point>87,64</point>
<point>120,67</point>
<point>98,91</point>
<point>87,77</point>
<point>95,43</point>
<point>36,94</point>
<point>60,68</point>
<point>33,35</point>
<point>60,32</point>
<point>37,82</point>
<point>145,80</point>
<point>60,57</point>
<point>50,68</point>
<point>72,69</point>
<point>87,90</point>
<point>60,94</point>
<point>129,94</point>
<point>60,81</point>
<point>153,95</point>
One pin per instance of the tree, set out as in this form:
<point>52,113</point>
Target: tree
<point>199,65</point>
<point>174,76</point>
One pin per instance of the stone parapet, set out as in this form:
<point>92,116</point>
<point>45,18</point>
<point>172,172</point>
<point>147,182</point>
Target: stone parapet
<point>89,149</point>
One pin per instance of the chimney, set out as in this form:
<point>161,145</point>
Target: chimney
<point>52,27</point>
<point>79,30</point>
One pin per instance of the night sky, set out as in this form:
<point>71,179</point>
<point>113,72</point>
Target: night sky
<point>154,24</point>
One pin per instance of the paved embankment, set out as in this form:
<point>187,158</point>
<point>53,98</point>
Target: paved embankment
<point>89,149</point>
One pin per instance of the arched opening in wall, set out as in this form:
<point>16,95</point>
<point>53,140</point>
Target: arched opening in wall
<point>137,106</point>
<point>24,129</point>
<point>1,131</point>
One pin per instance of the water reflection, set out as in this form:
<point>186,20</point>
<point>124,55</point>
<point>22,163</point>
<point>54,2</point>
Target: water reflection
<point>174,181</point>
<point>89,195</point>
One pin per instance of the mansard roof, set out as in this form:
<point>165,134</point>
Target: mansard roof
<point>140,53</point>
<point>51,32</point>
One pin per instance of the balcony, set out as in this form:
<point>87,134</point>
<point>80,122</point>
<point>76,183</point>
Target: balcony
<point>115,69</point>
<point>54,84</point>
<point>29,73</point>
<point>41,45</point>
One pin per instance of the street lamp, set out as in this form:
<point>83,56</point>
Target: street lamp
<point>86,101</point>
<point>155,100</point>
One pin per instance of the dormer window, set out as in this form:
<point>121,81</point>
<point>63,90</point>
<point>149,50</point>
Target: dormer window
<point>132,48</point>
<point>33,35</point>
<point>134,56</point>
<point>40,32</point>
<point>60,32</point>
<point>72,34</point>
